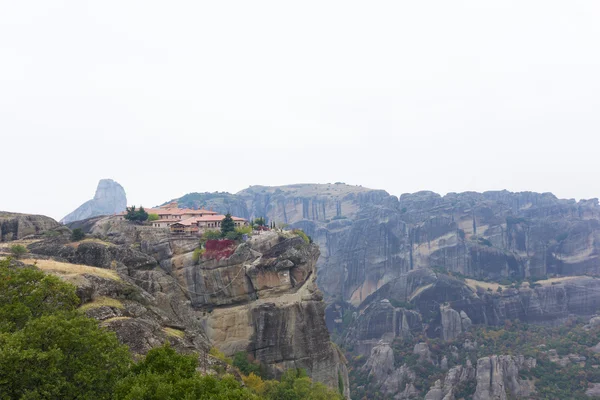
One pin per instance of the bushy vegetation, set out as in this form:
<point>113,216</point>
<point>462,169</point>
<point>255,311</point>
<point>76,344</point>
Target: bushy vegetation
<point>153,217</point>
<point>77,235</point>
<point>18,250</point>
<point>136,215</point>
<point>303,235</point>
<point>260,221</point>
<point>49,350</point>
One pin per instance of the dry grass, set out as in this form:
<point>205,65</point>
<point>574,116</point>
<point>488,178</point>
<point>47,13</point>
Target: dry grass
<point>76,269</point>
<point>174,332</point>
<point>473,284</point>
<point>547,282</point>
<point>102,302</point>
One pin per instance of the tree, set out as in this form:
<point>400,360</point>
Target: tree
<point>165,374</point>
<point>142,214</point>
<point>136,215</point>
<point>77,235</point>
<point>62,356</point>
<point>153,217</point>
<point>27,293</point>
<point>227,225</point>
<point>260,221</point>
<point>18,250</point>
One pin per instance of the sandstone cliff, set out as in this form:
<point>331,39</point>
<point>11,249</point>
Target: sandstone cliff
<point>109,199</point>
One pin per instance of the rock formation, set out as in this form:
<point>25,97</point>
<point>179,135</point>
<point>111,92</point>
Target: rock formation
<point>262,299</point>
<point>453,322</point>
<point>497,375</point>
<point>14,226</point>
<point>396,382</point>
<point>109,199</point>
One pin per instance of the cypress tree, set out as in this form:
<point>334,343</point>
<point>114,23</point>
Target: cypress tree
<point>227,225</point>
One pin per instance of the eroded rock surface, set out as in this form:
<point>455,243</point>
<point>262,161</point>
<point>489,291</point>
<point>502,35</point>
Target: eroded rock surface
<point>15,226</point>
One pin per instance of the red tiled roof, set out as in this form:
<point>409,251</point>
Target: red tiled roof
<point>174,211</point>
<point>206,218</point>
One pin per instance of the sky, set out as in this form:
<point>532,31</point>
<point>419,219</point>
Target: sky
<point>174,97</point>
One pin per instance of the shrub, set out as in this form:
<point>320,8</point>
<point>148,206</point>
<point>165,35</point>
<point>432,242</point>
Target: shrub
<point>153,217</point>
<point>260,221</point>
<point>235,236</point>
<point>197,254</point>
<point>77,235</point>
<point>18,250</point>
<point>242,361</point>
<point>139,215</point>
<point>219,249</point>
<point>218,354</point>
<point>210,235</point>
<point>303,235</point>
<point>244,230</point>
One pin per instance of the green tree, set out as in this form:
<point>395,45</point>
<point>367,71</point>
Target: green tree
<point>245,365</point>
<point>153,217</point>
<point>77,235</point>
<point>136,215</point>
<point>27,293</point>
<point>260,221</point>
<point>296,385</point>
<point>164,374</point>
<point>18,250</point>
<point>227,225</point>
<point>62,356</point>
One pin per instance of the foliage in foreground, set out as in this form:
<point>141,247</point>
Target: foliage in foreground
<point>50,351</point>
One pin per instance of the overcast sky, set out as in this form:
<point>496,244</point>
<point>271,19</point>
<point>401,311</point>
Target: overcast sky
<point>173,97</point>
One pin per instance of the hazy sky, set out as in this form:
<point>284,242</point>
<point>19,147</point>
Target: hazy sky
<point>181,96</point>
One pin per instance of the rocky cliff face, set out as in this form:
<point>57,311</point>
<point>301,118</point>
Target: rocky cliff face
<point>109,199</point>
<point>14,226</point>
<point>371,238</point>
<point>497,375</point>
<point>262,299</point>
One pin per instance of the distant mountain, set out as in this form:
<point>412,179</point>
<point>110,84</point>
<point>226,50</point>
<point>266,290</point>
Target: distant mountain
<point>109,199</point>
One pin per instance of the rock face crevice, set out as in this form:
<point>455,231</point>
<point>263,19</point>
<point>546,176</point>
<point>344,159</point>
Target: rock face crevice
<point>109,199</point>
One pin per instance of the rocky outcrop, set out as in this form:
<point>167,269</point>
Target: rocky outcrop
<point>382,321</point>
<point>94,253</point>
<point>447,389</point>
<point>497,375</point>
<point>264,300</point>
<point>396,382</point>
<point>14,226</point>
<point>467,302</point>
<point>371,238</point>
<point>109,199</point>
<point>453,322</point>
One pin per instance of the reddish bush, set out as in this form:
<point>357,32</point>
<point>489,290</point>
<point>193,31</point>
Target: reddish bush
<point>219,249</point>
